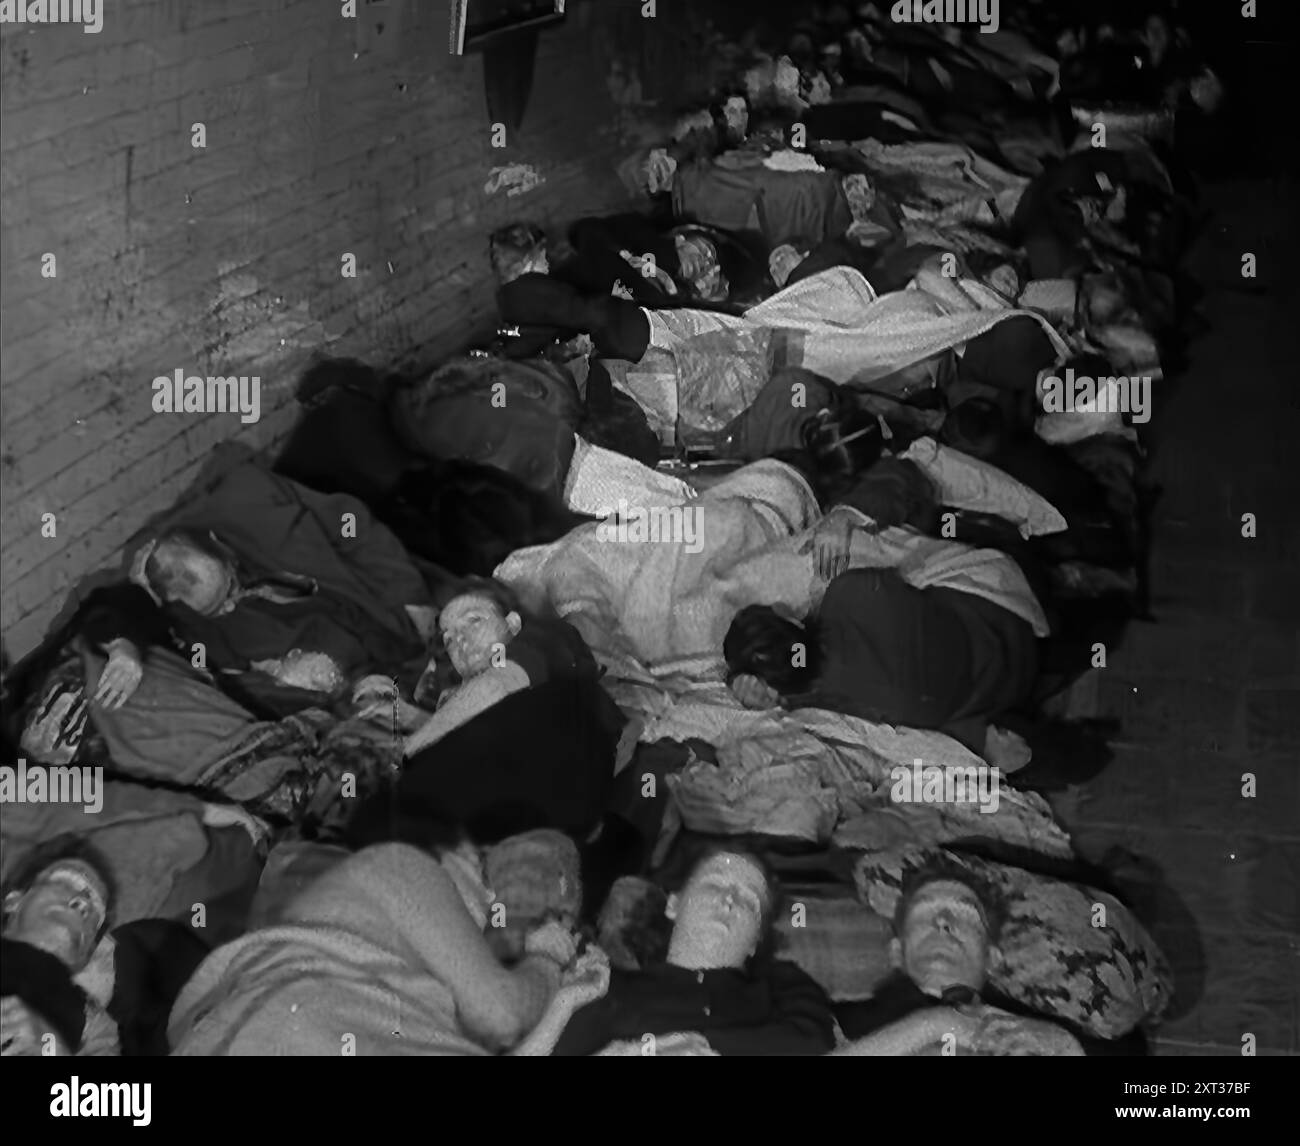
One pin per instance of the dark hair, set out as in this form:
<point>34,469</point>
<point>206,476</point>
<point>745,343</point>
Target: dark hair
<point>326,376</point>
<point>1090,365</point>
<point>942,868</point>
<point>691,855</point>
<point>976,427</point>
<point>761,642</point>
<point>511,246</point>
<point>502,596</point>
<point>842,445</point>
<point>641,936</point>
<point>56,850</point>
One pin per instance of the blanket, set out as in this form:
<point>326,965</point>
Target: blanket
<point>831,323</point>
<point>179,728</point>
<point>667,600</point>
<point>356,563</point>
<point>655,615</point>
<point>148,838</point>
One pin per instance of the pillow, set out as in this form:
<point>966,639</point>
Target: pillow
<point>964,482</point>
<point>1102,979</point>
<point>535,877</point>
<point>840,944</point>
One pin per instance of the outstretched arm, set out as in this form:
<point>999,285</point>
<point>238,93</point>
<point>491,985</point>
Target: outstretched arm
<point>911,1035</point>
<point>471,698</point>
<point>588,981</point>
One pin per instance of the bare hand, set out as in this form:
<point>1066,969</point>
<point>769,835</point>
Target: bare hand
<point>121,676</point>
<point>754,693</point>
<point>586,981</point>
<point>679,1044</point>
<point>372,687</point>
<point>554,941</point>
<point>21,1032</point>
<point>232,816</point>
<point>830,542</point>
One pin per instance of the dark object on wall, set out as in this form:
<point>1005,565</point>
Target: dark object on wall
<point>508,78</point>
<point>505,31</point>
<point>481,23</point>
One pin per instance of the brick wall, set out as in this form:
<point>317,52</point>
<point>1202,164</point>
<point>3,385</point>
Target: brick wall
<point>325,136</point>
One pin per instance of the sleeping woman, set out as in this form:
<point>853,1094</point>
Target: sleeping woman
<point>719,979</point>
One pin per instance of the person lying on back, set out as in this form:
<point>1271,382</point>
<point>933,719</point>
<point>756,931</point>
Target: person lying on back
<point>947,925</point>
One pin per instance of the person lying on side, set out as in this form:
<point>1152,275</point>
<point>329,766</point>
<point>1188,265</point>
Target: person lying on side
<point>720,979</point>
<point>385,954</point>
<point>276,640</point>
<point>938,1000</point>
<point>878,647</point>
<point>494,653</point>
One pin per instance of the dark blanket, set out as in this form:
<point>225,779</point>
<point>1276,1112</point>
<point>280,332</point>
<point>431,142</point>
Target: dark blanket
<point>924,658</point>
<point>544,309</point>
<point>155,959</point>
<point>360,577</point>
<point>777,1010</point>
<point>45,986</point>
<point>541,758</point>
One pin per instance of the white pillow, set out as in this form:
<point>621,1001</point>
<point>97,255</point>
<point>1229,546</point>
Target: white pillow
<point>968,483</point>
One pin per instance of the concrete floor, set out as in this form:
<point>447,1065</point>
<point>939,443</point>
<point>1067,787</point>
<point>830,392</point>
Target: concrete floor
<point>1211,690</point>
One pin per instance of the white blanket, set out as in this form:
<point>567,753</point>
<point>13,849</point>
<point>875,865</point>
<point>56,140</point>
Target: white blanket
<point>655,614</point>
<point>842,330</point>
<point>656,610</point>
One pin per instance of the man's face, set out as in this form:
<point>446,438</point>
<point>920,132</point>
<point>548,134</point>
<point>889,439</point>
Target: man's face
<point>474,631</point>
<point>944,939</point>
<point>783,261</point>
<point>720,910</point>
<point>62,912</point>
<point>1005,281</point>
<point>198,580</point>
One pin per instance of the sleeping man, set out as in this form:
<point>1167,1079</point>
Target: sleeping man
<point>938,1001</point>
<point>301,639</point>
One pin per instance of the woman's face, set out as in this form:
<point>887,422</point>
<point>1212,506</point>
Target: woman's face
<point>720,910</point>
<point>62,912</point>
